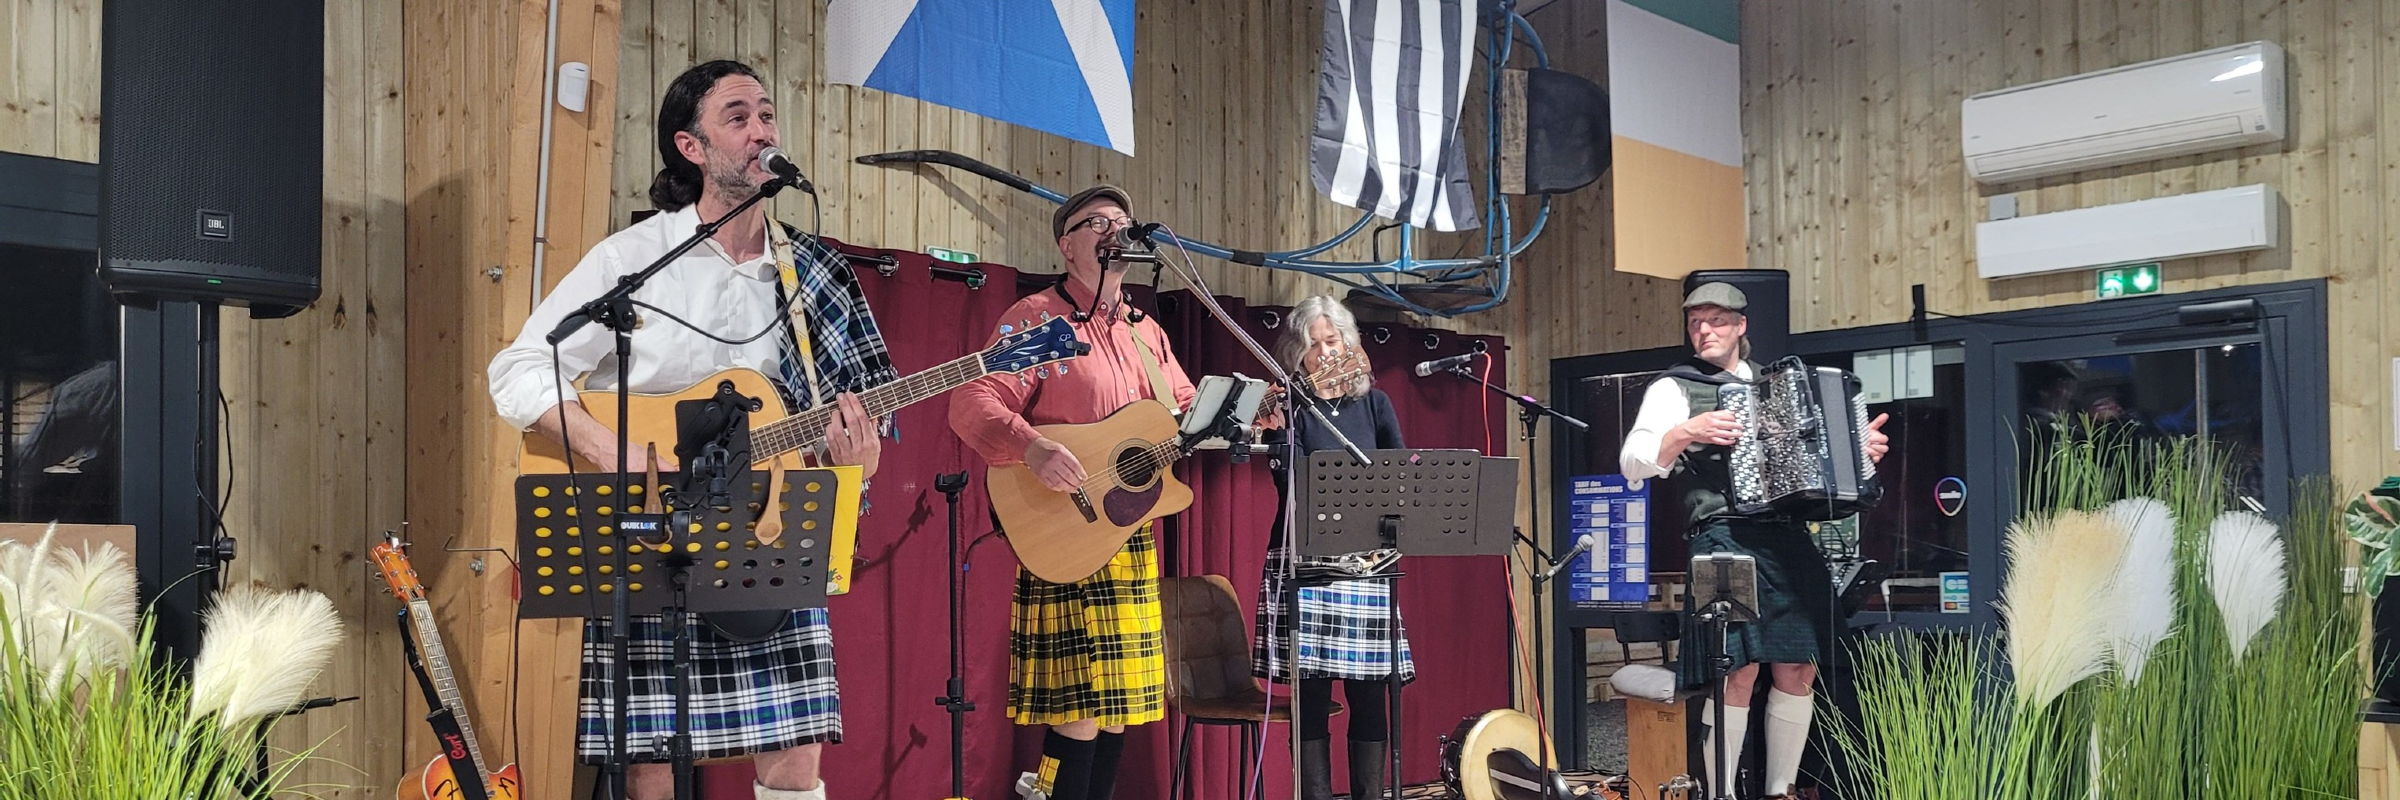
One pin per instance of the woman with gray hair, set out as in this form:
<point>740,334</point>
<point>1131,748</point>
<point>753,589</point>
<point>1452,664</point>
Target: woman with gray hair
<point>1344,633</point>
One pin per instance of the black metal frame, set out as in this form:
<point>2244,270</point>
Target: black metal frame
<point>167,462</point>
<point>2292,330</point>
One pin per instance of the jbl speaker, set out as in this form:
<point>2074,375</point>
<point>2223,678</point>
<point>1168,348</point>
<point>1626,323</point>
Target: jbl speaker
<point>211,151</point>
<point>1770,313</point>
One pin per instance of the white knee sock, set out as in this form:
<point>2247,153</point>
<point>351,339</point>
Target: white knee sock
<point>765,793</point>
<point>1787,735</point>
<point>1737,730</point>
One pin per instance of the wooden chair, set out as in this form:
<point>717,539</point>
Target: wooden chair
<point>1208,671</point>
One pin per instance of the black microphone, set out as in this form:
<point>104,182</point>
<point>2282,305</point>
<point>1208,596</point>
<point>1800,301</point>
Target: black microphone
<point>774,160</point>
<point>1582,546</point>
<point>1121,245</point>
<point>1426,369</point>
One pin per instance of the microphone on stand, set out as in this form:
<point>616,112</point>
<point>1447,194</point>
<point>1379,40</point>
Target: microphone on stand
<point>1426,369</point>
<point>1120,247</point>
<point>1582,545</point>
<point>774,160</point>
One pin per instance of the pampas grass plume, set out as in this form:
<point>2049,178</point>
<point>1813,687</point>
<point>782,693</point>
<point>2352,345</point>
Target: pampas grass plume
<point>2060,573</point>
<point>2245,574</point>
<point>261,651</point>
<point>2143,598</point>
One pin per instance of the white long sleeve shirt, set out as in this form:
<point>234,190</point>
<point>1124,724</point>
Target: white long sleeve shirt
<point>704,286</point>
<point>1664,406</point>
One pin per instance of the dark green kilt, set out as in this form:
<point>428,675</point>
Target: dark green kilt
<point>1796,615</point>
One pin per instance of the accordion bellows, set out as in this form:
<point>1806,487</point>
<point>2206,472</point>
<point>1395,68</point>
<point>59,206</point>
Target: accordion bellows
<point>1803,451</point>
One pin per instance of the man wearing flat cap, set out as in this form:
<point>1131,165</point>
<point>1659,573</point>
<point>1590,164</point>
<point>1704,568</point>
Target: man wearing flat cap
<point>1683,439</point>
<point>1085,658</point>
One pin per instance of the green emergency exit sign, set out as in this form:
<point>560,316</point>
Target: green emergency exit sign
<point>2127,281</point>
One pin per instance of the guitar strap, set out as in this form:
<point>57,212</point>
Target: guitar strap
<point>446,732</point>
<point>1158,378</point>
<point>788,274</point>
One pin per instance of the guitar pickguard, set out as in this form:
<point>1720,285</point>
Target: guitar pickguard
<point>1127,507</point>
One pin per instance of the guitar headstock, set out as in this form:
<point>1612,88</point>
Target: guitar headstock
<point>1050,342</point>
<point>391,562</point>
<point>1349,366</point>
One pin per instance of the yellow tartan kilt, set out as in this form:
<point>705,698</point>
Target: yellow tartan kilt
<point>1091,649</point>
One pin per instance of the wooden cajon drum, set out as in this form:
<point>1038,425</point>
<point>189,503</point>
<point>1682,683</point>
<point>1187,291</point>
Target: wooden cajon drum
<point>1655,736</point>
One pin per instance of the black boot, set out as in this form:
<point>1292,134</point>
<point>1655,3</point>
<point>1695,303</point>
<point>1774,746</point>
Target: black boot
<point>1316,769</point>
<point>1367,761</point>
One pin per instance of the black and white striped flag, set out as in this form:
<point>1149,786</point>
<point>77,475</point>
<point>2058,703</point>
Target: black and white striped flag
<point>1394,75</point>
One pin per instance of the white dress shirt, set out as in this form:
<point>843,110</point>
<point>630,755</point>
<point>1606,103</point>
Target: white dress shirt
<point>704,286</point>
<point>1664,406</point>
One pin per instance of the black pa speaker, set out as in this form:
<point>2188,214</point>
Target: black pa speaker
<point>1554,134</point>
<point>1770,294</point>
<point>211,151</point>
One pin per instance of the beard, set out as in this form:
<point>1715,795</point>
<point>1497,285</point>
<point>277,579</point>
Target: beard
<point>729,175</point>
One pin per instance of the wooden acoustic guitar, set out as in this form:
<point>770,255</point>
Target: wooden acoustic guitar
<point>1064,537</point>
<point>438,779</point>
<point>775,436</point>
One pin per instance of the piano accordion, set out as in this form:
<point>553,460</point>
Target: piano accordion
<point>1803,451</point>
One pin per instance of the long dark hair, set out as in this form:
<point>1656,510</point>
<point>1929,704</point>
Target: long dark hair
<point>680,181</point>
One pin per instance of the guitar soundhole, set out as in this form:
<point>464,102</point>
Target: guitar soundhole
<point>1136,466</point>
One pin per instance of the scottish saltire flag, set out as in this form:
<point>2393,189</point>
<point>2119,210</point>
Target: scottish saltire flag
<point>1675,104</point>
<point>1388,91</point>
<point>1062,66</point>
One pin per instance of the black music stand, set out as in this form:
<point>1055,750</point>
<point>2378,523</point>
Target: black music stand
<point>1731,582</point>
<point>705,559</point>
<point>1421,502</point>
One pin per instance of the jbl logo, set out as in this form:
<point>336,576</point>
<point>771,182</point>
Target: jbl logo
<point>216,225</point>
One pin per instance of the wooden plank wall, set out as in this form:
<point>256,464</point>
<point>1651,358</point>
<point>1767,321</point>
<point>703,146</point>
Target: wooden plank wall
<point>474,94</point>
<point>50,79</point>
<point>1851,122</point>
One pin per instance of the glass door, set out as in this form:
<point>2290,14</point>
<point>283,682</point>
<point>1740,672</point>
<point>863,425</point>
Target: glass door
<point>2229,388</point>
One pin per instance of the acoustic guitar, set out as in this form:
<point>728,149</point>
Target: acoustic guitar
<point>438,779</point>
<point>650,418</point>
<point>1064,537</point>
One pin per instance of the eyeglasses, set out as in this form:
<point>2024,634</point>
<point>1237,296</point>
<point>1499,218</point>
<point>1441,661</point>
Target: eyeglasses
<point>1719,321</point>
<point>1102,224</point>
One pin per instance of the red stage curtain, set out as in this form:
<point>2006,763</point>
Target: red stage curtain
<point>890,632</point>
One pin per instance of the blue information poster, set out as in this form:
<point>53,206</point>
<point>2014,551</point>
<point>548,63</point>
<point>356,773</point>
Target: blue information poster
<point>1615,512</point>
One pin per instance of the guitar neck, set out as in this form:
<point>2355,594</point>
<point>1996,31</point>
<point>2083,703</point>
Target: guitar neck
<point>807,428</point>
<point>445,684</point>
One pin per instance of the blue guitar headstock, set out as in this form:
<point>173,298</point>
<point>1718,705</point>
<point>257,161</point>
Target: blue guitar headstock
<point>1053,341</point>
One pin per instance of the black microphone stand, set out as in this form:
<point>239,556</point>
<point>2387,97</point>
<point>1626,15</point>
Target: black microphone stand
<point>614,310</point>
<point>1296,396</point>
<point>954,699</point>
<point>1529,417</point>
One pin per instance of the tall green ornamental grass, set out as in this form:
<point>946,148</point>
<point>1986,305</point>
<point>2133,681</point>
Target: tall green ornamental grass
<point>2232,665</point>
<point>86,713</point>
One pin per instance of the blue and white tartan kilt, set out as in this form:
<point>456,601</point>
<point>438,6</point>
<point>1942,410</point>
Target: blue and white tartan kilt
<point>747,697</point>
<point>1343,630</point>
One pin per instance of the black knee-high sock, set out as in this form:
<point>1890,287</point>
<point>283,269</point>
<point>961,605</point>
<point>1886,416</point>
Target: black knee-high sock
<point>1069,766</point>
<point>1107,751</point>
<point>1370,709</point>
<point>1316,706</point>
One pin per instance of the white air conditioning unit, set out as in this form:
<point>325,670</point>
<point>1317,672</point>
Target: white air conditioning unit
<point>2210,100</point>
<point>2183,226</point>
